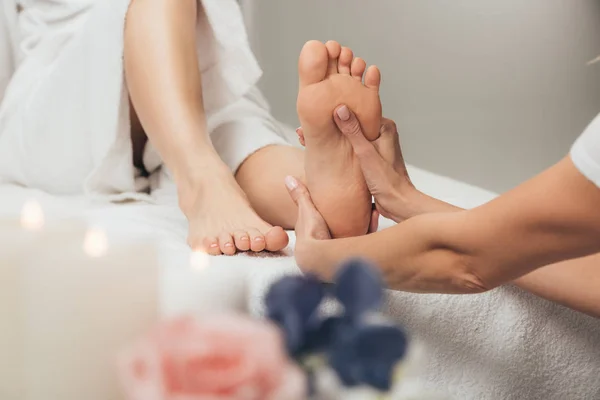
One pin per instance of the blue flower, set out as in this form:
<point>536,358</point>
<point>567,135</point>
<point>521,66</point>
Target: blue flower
<point>360,351</point>
<point>368,355</point>
<point>358,286</point>
<point>292,303</point>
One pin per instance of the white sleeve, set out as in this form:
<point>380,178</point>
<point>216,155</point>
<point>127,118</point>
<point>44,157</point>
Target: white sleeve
<point>585,152</point>
<point>6,50</point>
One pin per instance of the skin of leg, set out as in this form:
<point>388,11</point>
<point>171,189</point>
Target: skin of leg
<point>164,81</point>
<point>262,176</point>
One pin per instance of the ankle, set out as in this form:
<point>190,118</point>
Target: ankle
<point>195,185</point>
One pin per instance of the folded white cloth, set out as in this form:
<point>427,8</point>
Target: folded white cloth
<point>64,119</point>
<point>6,52</point>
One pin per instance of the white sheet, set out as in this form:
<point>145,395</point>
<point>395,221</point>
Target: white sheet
<point>505,344</point>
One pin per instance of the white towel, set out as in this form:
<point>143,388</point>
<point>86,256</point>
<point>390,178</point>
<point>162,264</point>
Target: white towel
<point>506,344</point>
<point>67,99</point>
<point>501,345</point>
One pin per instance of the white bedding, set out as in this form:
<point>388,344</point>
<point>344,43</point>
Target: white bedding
<point>505,344</point>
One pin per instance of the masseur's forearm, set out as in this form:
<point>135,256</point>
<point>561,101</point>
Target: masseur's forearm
<point>551,218</point>
<point>413,256</point>
<point>164,82</point>
<point>573,283</point>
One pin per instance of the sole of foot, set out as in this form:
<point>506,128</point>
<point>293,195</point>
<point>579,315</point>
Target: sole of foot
<point>330,75</point>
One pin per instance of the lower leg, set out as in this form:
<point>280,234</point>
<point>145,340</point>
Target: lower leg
<point>164,81</point>
<point>262,177</point>
<point>165,85</point>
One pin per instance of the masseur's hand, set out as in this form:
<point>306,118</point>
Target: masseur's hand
<point>310,224</point>
<point>382,164</point>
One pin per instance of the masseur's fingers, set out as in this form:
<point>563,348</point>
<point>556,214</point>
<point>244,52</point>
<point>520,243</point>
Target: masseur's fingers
<point>388,146</point>
<point>226,244</point>
<point>300,133</point>
<point>348,124</point>
<point>310,222</point>
<point>376,170</point>
<point>374,225</point>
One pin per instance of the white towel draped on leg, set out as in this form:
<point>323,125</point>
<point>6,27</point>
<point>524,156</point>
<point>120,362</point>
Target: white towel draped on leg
<point>64,119</point>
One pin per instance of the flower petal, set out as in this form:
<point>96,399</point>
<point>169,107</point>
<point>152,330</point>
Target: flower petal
<point>292,303</point>
<point>359,287</point>
<point>369,355</point>
<point>302,293</point>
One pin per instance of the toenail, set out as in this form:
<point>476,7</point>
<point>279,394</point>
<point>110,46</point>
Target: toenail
<point>214,245</point>
<point>244,238</point>
<point>258,239</point>
<point>228,244</point>
<point>343,113</point>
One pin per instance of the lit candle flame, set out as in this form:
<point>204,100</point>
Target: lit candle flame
<point>199,260</point>
<point>32,216</point>
<point>95,243</point>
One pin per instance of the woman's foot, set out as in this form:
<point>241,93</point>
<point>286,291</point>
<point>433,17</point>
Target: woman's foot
<point>329,76</point>
<point>221,220</point>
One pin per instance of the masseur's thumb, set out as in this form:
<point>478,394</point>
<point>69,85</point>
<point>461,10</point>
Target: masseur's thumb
<point>348,124</point>
<point>298,192</point>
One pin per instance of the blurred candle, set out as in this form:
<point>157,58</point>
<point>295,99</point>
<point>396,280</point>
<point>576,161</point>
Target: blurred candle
<point>17,242</point>
<point>84,300</point>
<point>69,301</point>
<point>15,236</point>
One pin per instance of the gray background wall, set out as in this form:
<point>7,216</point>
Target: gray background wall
<point>486,91</point>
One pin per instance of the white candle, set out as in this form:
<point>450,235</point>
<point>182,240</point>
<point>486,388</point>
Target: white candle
<point>84,301</point>
<point>68,303</point>
<point>17,237</point>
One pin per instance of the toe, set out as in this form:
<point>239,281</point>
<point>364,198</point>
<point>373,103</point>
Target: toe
<point>346,57</point>
<point>373,78</point>
<point>242,240</point>
<point>226,244</point>
<point>357,69</point>
<point>276,239</point>
<point>312,64</point>
<point>257,240</point>
<point>333,50</point>
<point>211,246</point>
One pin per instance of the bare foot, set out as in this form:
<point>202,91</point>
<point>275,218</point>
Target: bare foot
<point>221,220</point>
<point>330,76</point>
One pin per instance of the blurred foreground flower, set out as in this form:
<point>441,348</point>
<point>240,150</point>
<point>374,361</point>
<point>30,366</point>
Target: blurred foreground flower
<point>224,357</point>
<point>358,344</point>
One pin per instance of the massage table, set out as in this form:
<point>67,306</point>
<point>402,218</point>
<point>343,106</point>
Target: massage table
<point>504,344</point>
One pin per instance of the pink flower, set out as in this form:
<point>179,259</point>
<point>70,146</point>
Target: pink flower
<point>219,358</point>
